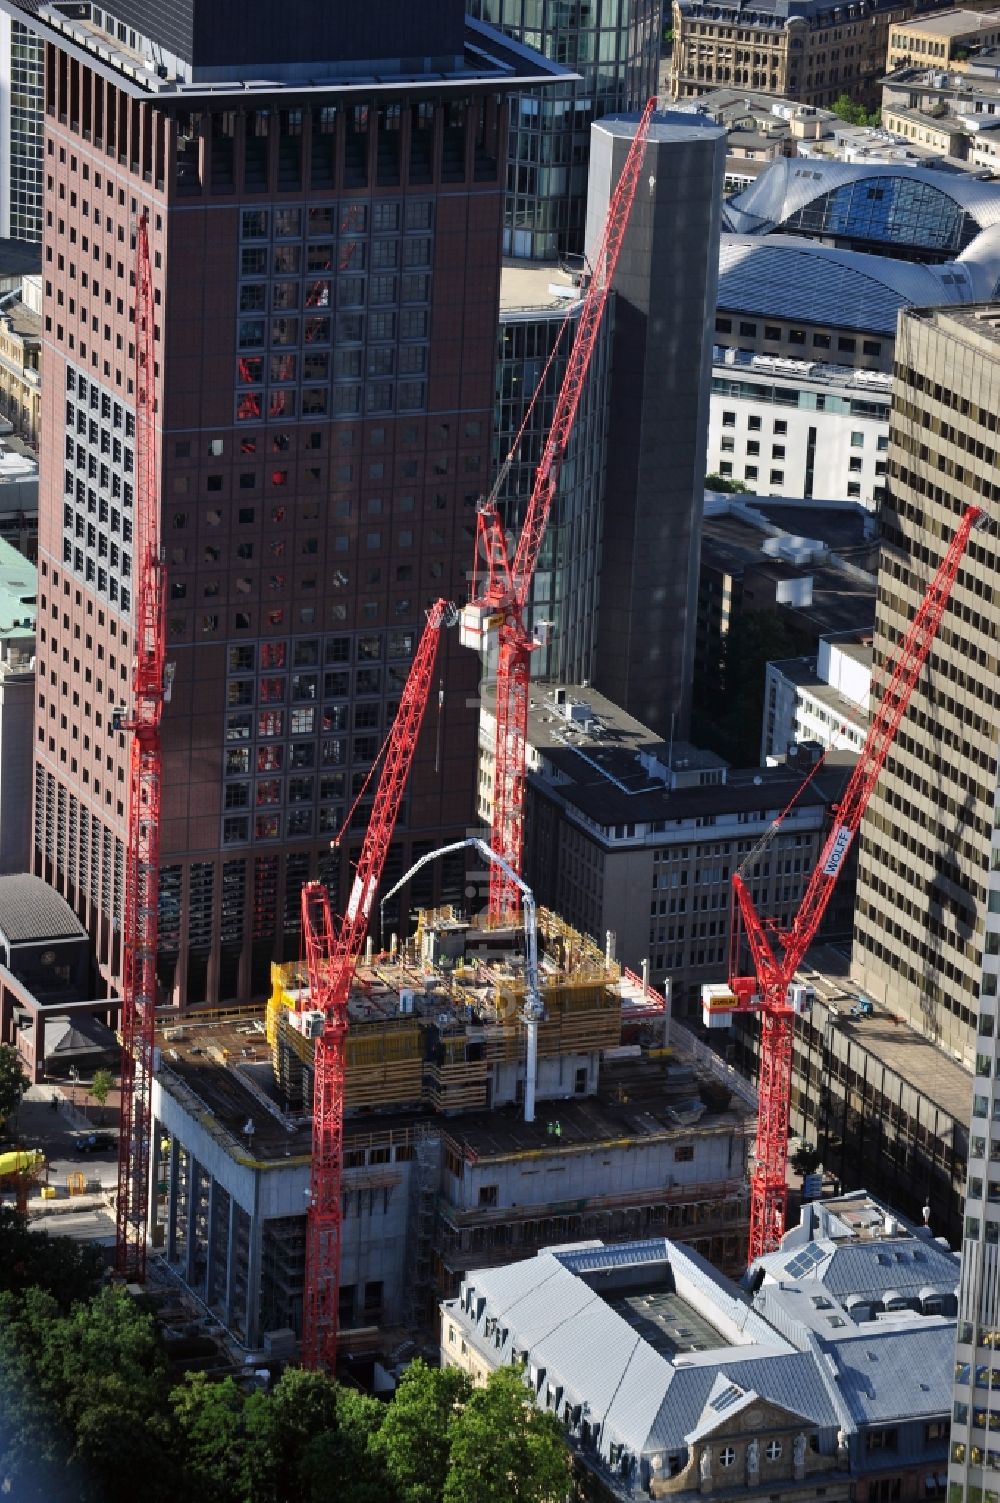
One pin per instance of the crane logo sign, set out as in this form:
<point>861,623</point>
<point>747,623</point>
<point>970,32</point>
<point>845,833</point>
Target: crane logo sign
<point>838,850</point>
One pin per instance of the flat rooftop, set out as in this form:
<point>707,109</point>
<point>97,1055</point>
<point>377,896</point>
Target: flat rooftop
<point>530,286</point>
<point>953,23</point>
<point>301,49</point>
<point>842,599</point>
<point>977,323</point>
<point>802,673</point>
<point>639,1098</point>
<point>804,373</point>
<point>888,1038</point>
<point>223,1068</point>
<point>18,592</point>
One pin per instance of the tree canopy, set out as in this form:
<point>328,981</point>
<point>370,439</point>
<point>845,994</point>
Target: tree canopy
<point>415,1437</point>
<point>504,1449</point>
<point>67,1270</point>
<point>13,1082</point>
<point>89,1412</point>
<point>855,114</point>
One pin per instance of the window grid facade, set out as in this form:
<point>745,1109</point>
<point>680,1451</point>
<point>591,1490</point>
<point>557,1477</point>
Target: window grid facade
<point>615,46</point>
<point>281,529</point>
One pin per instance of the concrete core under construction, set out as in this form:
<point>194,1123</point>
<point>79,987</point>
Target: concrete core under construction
<point>638,1131</point>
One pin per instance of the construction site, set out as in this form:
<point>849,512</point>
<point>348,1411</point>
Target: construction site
<point>320,1171</point>
<point>638,1131</point>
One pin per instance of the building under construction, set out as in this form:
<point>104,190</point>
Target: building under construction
<point>637,1132</point>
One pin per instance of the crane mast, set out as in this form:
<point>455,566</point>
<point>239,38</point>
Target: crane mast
<point>507,590</point>
<point>331,960</point>
<point>142,863</point>
<point>770,990</point>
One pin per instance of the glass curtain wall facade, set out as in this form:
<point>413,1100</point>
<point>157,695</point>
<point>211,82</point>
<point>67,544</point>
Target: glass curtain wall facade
<point>567,579</point>
<point>887,212</point>
<point>21,115</point>
<point>614,45</point>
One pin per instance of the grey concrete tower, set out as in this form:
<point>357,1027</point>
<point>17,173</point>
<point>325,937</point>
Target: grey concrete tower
<point>665,289</point>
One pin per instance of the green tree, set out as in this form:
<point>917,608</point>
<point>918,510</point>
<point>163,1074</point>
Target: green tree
<point>414,1438</point>
<point>209,1419</point>
<point>100,1087</point>
<point>280,1427</point>
<point>504,1449</point>
<point>343,1465</point>
<point>805,1159</point>
<point>34,1446</point>
<point>102,1367</point>
<point>69,1271</point>
<point>13,1082</point>
<point>726,486</point>
<point>855,114</point>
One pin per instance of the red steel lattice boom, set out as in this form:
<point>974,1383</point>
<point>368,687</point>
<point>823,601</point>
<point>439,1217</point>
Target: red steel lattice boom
<point>767,991</point>
<point>331,960</point>
<point>508,581</point>
<point>142,862</point>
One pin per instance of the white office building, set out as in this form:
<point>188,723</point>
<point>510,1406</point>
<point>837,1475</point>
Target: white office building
<point>824,699</point>
<point>799,428</point>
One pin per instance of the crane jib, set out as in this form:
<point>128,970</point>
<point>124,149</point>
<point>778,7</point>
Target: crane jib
<point>839,847</point>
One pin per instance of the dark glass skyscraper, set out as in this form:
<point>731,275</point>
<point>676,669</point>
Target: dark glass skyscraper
<point>325,233</point>
<point>614,48</point>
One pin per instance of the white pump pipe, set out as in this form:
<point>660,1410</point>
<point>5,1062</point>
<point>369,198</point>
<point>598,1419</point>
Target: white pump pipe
<point>534,1009</point>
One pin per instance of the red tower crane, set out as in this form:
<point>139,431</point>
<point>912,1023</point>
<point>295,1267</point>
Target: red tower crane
<point>507,587</point>
<point>771,991</point>
<point>331,960</point>
<point>142,862</point>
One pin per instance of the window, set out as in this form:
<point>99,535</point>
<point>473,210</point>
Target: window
<point>753,423</point>
<point>857,440</point>
<point>872,347</point>
<point>772,332</point>
<point>881,1440</point>
<point>727,1456</point>
<point>780,427</point>
<point>773,1450</point>
<point>796,336</point>
<point>777,477</point>
<point>749,331</point>
<point>729,420</point>
<point>684,1153</point>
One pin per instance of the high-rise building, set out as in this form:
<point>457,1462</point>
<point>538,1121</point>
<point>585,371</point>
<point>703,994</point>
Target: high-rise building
<point>927,934</point>
<point>922,930</point>
<point>535,341</point>
<point>613,48</point>
<point>21,53</point>
<point>326,265</point>
<point>661,358</point>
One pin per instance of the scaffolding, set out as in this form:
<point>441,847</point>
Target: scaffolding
<point>431,1022</point>
<point>425,1179</point>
